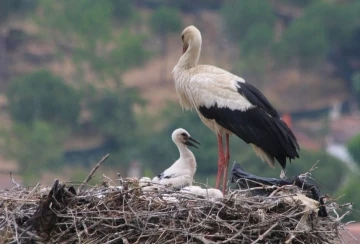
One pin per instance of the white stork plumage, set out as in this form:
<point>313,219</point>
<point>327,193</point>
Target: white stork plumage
<point>205,192</point>
<point>181,173</point>
<point>229,105</point>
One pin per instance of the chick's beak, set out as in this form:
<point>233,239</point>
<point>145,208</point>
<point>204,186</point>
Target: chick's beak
<point>190,142</point>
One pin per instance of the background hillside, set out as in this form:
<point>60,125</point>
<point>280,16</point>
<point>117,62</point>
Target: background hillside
<point>79,79</point>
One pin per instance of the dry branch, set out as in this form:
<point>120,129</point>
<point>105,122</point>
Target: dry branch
<point>92,172</point>
<point>126,214</point>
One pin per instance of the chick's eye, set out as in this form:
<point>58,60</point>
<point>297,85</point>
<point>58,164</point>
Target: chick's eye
<point>184,134</point>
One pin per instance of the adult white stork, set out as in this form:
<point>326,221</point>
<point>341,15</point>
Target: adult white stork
<point>181,173</point>
<point>229,105</point>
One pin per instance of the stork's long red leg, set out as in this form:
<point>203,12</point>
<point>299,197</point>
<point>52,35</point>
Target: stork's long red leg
<point>221,160</point>
<point>227,160</point>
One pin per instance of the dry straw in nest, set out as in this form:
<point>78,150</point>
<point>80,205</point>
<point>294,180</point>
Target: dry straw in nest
<point>127,214</point>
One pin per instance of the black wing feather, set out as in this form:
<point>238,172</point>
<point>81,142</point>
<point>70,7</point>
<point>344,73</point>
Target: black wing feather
<point>260,125</point>
<point>256,98</point>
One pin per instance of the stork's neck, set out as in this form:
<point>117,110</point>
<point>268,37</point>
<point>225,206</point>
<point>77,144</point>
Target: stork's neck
<point>187,159</point>
<point>191,57</point>
<point>184,151</point>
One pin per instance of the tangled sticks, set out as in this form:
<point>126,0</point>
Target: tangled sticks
<point>126,214</point>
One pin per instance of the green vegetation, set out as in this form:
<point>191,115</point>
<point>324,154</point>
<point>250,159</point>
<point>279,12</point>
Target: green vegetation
<point>165,20</point>
<point>112,114</point>
<point>354,148</point>
<point>36,147</point>
<point>350,194</point>
<point>241,16</point>
<point>355,83</point>
<point>123,10</point>
<point>8,7</point>
<point>296,45</point>
<point>85,19</point>
<point>38,95</point>
<point>129,53</point>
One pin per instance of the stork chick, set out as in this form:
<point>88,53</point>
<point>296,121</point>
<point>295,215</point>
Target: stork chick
<point>181,173</point>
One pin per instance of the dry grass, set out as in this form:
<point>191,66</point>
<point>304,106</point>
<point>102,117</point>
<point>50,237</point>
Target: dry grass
<point>122,212</point>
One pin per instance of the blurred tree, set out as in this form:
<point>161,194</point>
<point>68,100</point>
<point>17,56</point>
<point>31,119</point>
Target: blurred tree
<point>258,39</point>
<point>123,9</point>
<point>254,50</point>
<point>87,20</point>
<point>129,53</point>
<point>113,115</point>
<point>354,148</point>
<point>194,6</point>
<point>330,26</point>
<point>297,45</point>
<point>43,96</point>
<point>299,3</point>
<point>350,194</point>
<point>36,147</point>
<point>355,84</point>
<point>337,19</point>
<point>8,7</point>
<point>240,17</point>
<point>164,21</point>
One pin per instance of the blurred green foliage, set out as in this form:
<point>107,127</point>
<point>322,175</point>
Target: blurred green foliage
<point>296,45</point>
<point>8,7</point>
<point>258,39</point>
<point>122,10</point>
<point>355,85</point>
<point>336,19</point>
<point>324,26</point>
<point>43,96</point>
<point>298,3</point>
<point>350,194</point>
<point>241,16</point>
<point>113,114</point>
<point>36,147</point>
<point>165,20</point>
<point>129,53</point>
<point>88,20</point>
<point>354,148</point>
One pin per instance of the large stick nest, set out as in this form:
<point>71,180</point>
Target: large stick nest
<point>124,213</point>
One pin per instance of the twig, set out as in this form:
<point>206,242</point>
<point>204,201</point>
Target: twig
<point>13,180</point>
<point>200,238</point>
<point>262,236</point>
<point>237,234</point>
<point>92,172</point>
<point>104,215</point>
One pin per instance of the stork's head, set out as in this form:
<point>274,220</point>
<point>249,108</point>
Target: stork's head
<point>190,36</point>
<point>181,136</point>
